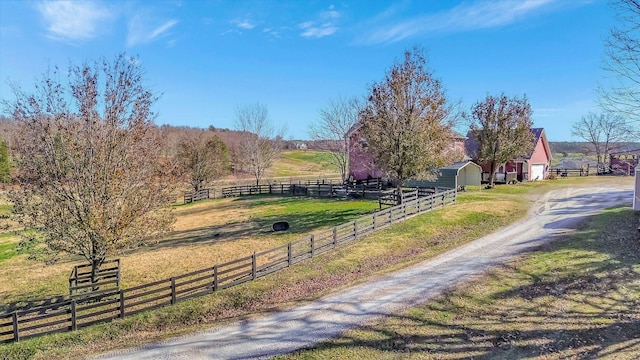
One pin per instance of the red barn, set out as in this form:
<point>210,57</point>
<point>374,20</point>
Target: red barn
<point>362,165</point>
<point>534,166</point>
<point>624,162</point>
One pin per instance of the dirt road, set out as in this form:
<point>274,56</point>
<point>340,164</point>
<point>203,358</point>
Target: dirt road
<point>555,214</point>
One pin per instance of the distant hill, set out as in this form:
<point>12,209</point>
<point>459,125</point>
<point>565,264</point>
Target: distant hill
<point>575,147</point>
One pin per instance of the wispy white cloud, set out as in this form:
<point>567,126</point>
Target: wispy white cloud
<point>244,24</point>
<point>313,31</point>
<point>464,17</point>
<point>273,32</point>
<point>324,25</point>
<point>230,31</point>
<point>140,32</point>
<point>73,20</point>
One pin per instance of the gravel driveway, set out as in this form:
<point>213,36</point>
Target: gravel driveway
<point>553,215</point>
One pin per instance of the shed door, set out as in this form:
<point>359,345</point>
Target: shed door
<point>537,172</point>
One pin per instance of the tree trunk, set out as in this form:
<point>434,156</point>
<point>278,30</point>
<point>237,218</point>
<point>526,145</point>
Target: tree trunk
<point>95,272</point>
<point>492,173</point>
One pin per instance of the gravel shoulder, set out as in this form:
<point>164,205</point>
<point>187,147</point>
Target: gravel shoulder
<point>556,213</point>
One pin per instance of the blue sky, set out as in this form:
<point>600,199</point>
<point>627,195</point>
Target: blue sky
<point>208,57</point>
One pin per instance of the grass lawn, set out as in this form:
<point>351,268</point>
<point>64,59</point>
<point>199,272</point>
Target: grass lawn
<point>477,213</point>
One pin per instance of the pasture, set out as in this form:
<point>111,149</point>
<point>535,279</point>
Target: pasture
<point>205,233</point>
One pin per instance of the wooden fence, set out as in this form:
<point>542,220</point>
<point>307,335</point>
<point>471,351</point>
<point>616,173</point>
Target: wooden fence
<point>74,313</point>
<point>371,189</point>
<point>390,198</point>
<point>108,279</point>
<point>314,190</point>
<point>201,194</point>
<point>570,172</point>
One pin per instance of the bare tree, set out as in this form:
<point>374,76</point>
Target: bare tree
<point>406,121</point>
<point>92,180</point>
<point>501,126</point>
<point>605,132</point>
<point>622,61</point>
<point>336,119</point>
<point>204,158</point>
<point>5,163</point>
<point>259,144</point>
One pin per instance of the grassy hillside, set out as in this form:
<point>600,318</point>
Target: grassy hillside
<point>303,163</point>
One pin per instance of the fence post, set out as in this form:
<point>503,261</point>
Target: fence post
<point>215,278</point>
<point>313,245</point>
<point>253,266</point>
<point>289,253</point>
<point>16,333</point>
<point>374,221</point>
<point>355,229</point>
<point>122,304</point>
<point>173,291</point>
<point>73,315</point>
<point>335,236</point>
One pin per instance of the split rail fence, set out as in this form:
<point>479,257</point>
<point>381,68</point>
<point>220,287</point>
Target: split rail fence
<point>68,314</point>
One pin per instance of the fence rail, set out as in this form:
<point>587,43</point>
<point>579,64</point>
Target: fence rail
<point>391,198</point>
<point>192,196</point>
<point>570,172</point>
<point>73,313</point>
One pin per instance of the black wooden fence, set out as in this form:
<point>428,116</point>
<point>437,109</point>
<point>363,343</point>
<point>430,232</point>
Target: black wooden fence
<point>570,172</point>
<point>392,198</point>
<point>70,314</point>
<point>192,196</point>
<point>107,280</point>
